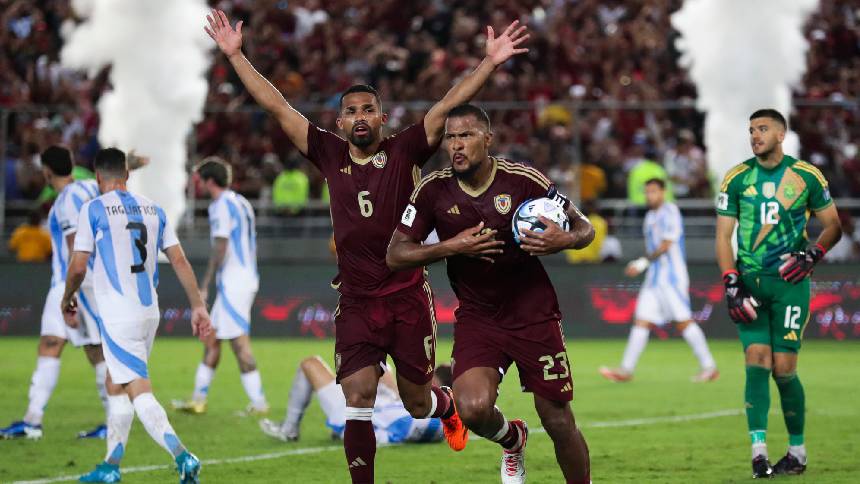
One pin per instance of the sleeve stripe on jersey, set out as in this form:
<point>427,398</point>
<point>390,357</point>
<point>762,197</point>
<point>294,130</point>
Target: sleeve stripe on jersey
<point>809,168</point>
<point>427,179</point>
<point>542,181</point>
<point>516,167</point>
<point>731,176</point>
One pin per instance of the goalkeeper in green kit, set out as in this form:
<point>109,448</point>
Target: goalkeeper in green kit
<point>770,198</point>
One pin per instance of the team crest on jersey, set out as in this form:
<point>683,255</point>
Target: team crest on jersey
<point>768,189</point>
<point>379,160</point>
<point>789,191</point>
<point>503,203</point>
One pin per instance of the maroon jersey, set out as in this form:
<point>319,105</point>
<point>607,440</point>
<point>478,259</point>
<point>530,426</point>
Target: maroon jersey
<point>513,292</point>
<point>367,197</point>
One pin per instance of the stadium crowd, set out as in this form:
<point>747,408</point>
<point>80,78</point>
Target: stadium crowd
<point>580,50</point>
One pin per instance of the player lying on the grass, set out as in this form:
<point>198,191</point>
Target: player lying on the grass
<point>57,168</point>
<point>508,307</point>
<point>370,177</point>
<point>392,423</point>
<point>233,266</point>
<point>125,233</point>
<point>664,296</point>
<point>770,197</point>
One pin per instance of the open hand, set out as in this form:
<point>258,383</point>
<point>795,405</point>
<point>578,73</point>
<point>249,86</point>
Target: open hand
<point>228,40</point>
<point>553,239</point>
<point>503,47</point>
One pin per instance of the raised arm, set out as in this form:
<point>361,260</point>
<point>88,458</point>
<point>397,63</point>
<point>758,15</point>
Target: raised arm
<point>267,96</point>
<point>404,252</point>
<point>499,50</point>
<point>200,324</point>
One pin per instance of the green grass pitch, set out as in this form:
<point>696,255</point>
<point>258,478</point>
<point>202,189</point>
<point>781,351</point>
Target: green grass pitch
<point>629,427</point>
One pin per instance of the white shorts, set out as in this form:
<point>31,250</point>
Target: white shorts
<point>126,345</point>
<point>231,313</point>
<point>664,304</point>
<point>87,332</point>
<point>333,405</point>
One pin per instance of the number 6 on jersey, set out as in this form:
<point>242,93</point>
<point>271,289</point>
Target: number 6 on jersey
<point>365,205</point>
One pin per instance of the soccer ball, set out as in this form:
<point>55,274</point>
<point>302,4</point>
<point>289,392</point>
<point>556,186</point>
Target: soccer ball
<point>528,213</point>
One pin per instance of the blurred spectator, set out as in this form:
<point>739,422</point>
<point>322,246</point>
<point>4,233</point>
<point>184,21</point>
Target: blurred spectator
<point>290,190</point>
<point>848,247</point>
<point>590,254</point>
<point>582,51</point>
<point>642,171</point>
<point>30,241</point>
<point>685,164</point>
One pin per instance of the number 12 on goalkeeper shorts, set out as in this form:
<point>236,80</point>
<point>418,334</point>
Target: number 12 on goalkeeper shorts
<point>792,317</point>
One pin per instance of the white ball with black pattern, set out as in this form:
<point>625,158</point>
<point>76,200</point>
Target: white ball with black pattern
<point>527,216</point>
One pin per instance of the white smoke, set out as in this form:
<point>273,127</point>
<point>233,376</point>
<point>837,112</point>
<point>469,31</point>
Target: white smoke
<point>743,55</point>
<point>159,56</point>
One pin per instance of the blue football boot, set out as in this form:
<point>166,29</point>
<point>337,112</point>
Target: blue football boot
<point>103,472</point>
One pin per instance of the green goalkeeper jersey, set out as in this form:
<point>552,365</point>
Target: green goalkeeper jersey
<point>772,207</point>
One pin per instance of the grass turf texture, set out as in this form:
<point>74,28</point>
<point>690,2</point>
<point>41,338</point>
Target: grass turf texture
<point>713,449</point>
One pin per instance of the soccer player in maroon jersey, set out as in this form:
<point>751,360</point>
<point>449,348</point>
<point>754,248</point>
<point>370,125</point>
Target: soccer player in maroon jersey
<point>370,179</point>
<point>508,308</point>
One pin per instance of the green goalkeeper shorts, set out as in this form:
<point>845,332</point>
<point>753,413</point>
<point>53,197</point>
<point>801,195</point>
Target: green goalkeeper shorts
<point>783,313</point>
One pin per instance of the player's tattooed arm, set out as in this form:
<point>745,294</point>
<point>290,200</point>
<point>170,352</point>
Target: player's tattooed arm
<point>200,324</point>
<point>216,259</point>
<point>498,51</point>
<point>229,40</point>
<point>404,252</point>
<point>638,266</point>
<point>74,278</point>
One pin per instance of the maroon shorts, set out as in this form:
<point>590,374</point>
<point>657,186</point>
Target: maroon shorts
<point>538,350</point>
<point>402,325</point>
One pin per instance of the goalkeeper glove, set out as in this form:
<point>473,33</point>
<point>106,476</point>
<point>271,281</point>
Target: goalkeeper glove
<point>800,263</point>
<point>741,304</point>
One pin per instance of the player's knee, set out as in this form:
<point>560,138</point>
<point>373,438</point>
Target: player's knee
<point>94,354</point>
<point>247,364</point>
<point>558,425</point>
<point>417,408</point>
<point>474,409</point>
<point>311,362</point>
<point>50,345</point>
<point>360,400</point>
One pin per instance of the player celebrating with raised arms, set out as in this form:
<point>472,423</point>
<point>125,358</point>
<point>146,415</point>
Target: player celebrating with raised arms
<point>508,308</point>
<point>769,197</point>
<point>125,232</point>
<point>370,179</point>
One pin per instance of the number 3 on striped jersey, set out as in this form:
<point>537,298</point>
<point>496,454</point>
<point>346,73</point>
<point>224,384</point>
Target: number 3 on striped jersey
<point>365,206</point>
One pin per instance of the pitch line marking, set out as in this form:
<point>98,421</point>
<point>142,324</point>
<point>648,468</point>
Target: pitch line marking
<point>317,450</point>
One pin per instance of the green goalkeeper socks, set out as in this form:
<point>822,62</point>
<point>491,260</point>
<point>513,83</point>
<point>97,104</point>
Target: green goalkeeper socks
<point>757,398</point>
<point>793,405</point>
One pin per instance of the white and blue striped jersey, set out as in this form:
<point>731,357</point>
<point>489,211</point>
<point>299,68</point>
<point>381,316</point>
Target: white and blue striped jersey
<point>670,269</point>
<point>63,220</point>
<point>232,217</point>
<point>125,232</point>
